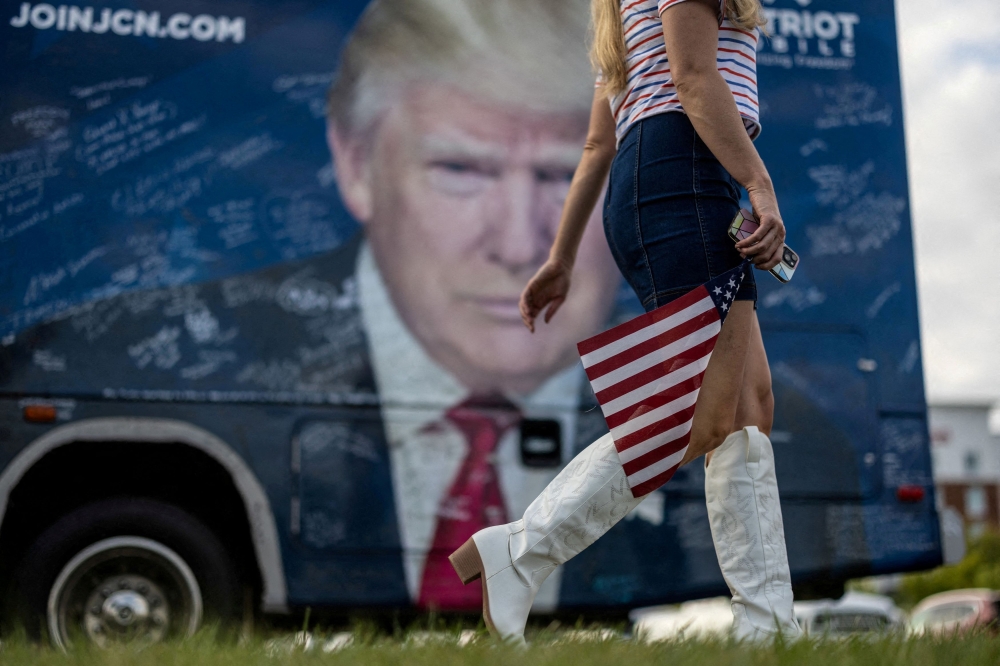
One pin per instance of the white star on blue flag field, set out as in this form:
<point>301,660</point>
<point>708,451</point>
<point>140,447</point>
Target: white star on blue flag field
<point>722,289</point>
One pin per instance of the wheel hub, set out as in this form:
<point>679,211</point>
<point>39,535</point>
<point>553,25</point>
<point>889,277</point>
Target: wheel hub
<point>125,608</point>
<point>131,607</point>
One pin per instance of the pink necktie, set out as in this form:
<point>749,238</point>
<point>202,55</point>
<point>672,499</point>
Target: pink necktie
<point>473,502</point>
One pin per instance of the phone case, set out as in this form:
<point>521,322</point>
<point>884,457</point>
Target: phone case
<point>743,225</point>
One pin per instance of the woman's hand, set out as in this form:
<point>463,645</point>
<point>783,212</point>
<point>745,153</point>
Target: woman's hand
<point>548,287</point>
<point>763,247</point>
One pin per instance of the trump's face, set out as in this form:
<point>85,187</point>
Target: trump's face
<point>461,198</point>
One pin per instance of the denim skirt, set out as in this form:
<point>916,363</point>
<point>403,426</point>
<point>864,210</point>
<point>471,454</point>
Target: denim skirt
<point>667,211</point>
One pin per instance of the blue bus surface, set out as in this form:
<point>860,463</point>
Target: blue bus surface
<point>182,313</point>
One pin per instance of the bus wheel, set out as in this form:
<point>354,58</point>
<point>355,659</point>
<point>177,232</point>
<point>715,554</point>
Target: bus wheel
<point>126,570</point>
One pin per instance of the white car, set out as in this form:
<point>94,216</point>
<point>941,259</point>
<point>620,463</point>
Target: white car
<point>853,614</point>
<point>957,612</point>
<point>705,618</point>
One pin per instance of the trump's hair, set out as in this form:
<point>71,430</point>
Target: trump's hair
<point>527,53</point>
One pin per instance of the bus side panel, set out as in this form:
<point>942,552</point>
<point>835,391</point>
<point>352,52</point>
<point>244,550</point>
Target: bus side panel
<point>174,245</point>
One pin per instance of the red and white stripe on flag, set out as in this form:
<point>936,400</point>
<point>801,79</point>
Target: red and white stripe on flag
<point>646,374</point>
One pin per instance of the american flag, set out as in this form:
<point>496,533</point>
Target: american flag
<point>646,374</point>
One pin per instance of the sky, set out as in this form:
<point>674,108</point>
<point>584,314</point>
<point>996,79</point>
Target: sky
<point>950,60</point>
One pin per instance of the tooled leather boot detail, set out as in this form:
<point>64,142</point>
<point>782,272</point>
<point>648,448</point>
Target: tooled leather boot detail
<point>741,491</point>
<point>579,506</point>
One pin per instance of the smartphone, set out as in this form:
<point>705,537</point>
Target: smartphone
<point>744,224</point>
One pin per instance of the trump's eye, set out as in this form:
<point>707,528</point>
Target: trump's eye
<point>556,176</point>
<point>554,183</point>
<point>453,166</point>
<point>460,177</point>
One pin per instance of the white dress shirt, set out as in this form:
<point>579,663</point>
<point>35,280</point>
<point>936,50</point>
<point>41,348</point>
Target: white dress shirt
<point>427,450</point>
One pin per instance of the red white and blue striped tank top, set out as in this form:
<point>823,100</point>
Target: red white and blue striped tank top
<point>649,88</point>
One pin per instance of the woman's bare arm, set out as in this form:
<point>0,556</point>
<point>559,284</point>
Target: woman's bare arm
<point>588,180</point>
<point>551,283</point>
<point>690,34</point>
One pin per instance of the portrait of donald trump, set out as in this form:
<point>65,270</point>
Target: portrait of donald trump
<point>456,126</point>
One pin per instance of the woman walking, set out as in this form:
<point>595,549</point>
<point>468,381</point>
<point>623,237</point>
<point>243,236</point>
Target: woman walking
<point>673,118</point>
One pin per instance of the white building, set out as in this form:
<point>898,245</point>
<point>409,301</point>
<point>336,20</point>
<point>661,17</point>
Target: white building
<point>966,457</point>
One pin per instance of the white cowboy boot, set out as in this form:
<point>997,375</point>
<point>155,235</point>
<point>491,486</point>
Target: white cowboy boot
<point>741,491</point>
<point>583,502</point>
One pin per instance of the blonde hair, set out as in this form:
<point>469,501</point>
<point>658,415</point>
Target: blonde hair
<point>607,47</point>
<point>530,53</point>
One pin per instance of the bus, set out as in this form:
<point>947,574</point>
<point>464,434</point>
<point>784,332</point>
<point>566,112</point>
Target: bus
<point>257,257</point>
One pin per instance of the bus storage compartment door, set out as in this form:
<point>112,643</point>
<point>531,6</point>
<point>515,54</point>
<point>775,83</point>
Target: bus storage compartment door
<point>825,423</point>
<point>343,517</point>
<point>344,484</point>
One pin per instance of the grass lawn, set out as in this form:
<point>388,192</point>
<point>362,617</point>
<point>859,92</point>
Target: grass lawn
<point>566,648</point>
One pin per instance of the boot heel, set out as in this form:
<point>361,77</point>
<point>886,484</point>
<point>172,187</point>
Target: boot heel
<point>467,562</point>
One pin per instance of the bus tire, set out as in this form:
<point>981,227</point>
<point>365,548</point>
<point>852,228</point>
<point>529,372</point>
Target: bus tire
<point>124,569</point>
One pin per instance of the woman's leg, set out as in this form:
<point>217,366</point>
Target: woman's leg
<point>756,404</point>
<point>723,386</point>
<point>736,392</point>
